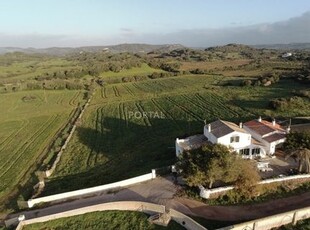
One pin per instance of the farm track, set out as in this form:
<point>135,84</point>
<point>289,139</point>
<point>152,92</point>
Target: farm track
<point>138,87</point>
<point>72,101</point>
<point>153,87</point>
<point>196,103</point>
<point>167,113</point>
<point>167,86</point>
<point>146,120</point>
<point>11,137</point>
<point>59,100</point>
<point>89,161</point>
<point>187,111</point>
<point>216,101</point>
<point>121,117</point>
<point>116,92</point>
<point>103,92</point>
<point>129,90</point>
<point>27,144</point>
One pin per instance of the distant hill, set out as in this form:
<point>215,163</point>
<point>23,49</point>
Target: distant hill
<point>230,48</point>
<point>290,46</point>
<point>60,51</point>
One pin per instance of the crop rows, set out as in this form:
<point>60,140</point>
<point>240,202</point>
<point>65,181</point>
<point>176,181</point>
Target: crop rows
<point>27,129</point>
<point>24,153</point>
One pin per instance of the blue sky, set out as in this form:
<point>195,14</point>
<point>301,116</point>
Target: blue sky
<point>43,23</point>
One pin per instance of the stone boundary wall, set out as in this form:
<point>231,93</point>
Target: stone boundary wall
<point>145,207</point>
<point>273,221</point>
<point>209,193</point>
<point>91,191</point>
<point>50,171</point>
<point>38,188</point>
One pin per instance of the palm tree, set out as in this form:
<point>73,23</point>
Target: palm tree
<point>303,156</point>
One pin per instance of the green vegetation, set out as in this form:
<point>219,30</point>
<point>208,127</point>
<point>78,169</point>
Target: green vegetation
<point>113,143</point>
<point>215,162</point>
<point>142,102</point>
<point>16,67</point>
<point>266,193</point>
<point>29,122</point>
<point>298,146</point>
<point>122,220</point>
<point>116,77</point>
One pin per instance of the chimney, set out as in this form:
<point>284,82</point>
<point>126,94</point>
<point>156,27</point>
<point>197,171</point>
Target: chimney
<point>273,122</point>
<point>260,119</point>
<point>288,129</point>
<point>240,125</point>
<point>209,128</point>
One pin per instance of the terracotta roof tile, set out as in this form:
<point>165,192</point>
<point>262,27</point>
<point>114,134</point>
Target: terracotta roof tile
<point>263,127</point>
<point>274,137</point>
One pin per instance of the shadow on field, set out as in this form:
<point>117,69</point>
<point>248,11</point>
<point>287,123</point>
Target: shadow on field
<point>117,149</point>
<point>120,150</point>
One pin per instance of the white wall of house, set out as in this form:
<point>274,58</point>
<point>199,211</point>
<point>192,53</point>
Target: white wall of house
<point>209,135</point>
<point>270,148</point>
<point>178,147</point>
<point>244,140</point>
<point>272,145</point>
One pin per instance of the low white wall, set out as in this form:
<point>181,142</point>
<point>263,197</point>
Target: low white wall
<point>185,221</point>
<point>145,207</point>
<point>274,221</point>
<point>206,193</point>
<point>295,177</point>
<point>91,191</point>
<point>149,208</point>
<point>121,205</point>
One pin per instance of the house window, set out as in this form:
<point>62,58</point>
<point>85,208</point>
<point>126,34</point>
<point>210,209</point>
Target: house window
<point>234,139</point>
<point>256,151</point>
<point>244,152</point>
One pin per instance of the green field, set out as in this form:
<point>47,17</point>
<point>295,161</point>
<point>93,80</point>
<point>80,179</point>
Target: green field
<point>16,67</point>
<point>29,120</point>
<point>113,144</point>
<point>115,77</point>
<point>121,220</point>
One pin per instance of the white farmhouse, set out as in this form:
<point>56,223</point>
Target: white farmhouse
<point>235,137</point>
<point>256,138</point>
<point>270,134</point>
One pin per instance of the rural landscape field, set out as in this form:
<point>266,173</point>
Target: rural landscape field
<point>133,114</point>
<point>138,104</point>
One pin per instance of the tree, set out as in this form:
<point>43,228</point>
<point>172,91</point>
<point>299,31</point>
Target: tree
<point>297,140</point>
<point>246,183</point>
<point>303,157</point>
<point>297,145</point>
<point>213,163</point>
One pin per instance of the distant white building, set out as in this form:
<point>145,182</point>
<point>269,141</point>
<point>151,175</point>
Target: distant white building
<point>287,55</point>
<point>256,138</point>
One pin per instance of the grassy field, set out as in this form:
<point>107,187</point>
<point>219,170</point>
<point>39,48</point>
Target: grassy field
<point>213,64</point>
<point>16,67</point>
<point>28,122</point>
<point>115,77</point>
<point>121,220</point>
<point>116,142</point>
